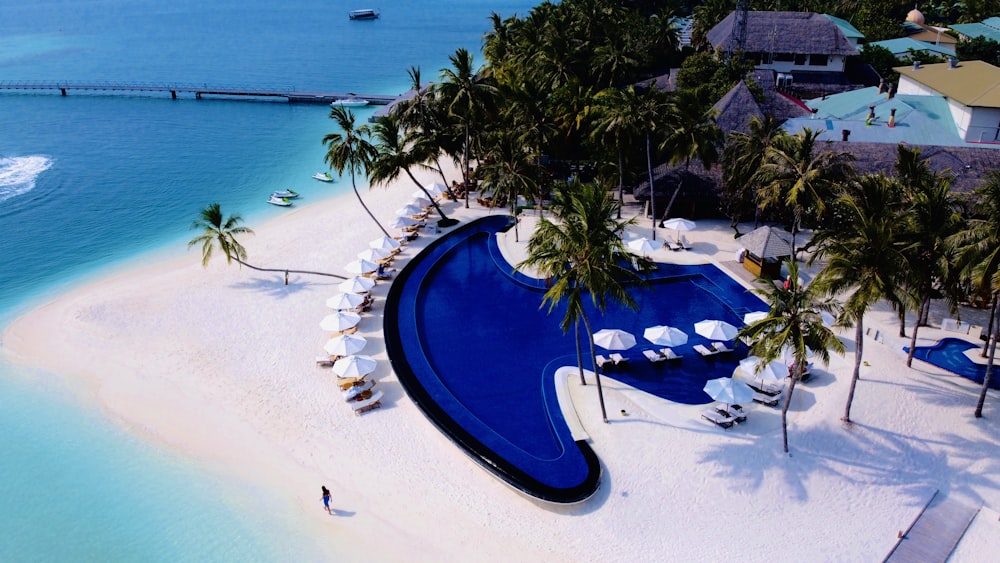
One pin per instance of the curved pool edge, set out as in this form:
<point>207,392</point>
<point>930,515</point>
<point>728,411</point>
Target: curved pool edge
<point>485,456</point>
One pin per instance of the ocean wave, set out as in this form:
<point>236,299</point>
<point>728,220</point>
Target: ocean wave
<point>18,174</point>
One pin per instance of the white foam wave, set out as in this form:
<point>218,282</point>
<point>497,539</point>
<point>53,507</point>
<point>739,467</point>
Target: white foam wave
<point>18,174</point>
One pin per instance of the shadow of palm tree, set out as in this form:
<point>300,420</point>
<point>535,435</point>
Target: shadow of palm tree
<point>274,286</point>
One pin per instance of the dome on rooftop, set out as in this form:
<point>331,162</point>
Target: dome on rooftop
<point>915,16</point>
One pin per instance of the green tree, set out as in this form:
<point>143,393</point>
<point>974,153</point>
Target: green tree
<point>220,231</point>
<point>351,151</point>
<point>979,248</point>
<point>793,323</point>
<point>583,254</point>
<point>741,159</point>
<point>693,134</point>
<point>864,257</point>
<point>979,49</point>
<point>617,122</point>
<point>509,171</point>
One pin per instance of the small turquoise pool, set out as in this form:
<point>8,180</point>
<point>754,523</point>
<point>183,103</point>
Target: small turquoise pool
<point>476,352</point>
<point>949,354</point>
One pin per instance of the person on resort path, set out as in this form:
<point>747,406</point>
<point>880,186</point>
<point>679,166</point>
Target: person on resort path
<point>326,499</point>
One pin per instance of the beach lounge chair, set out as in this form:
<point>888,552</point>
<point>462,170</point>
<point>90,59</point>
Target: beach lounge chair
<point>684,243</point>
<point>619,360</point>
<point>767,388</point>
<point>365,405</point>
<point>672,245</point>
<point>734,411</point>
<point>354,391</point>
<point>721,347</point>
<point>705,352</point>
<point>602,362</point>
<point>325,361</point>
<point>346,383</point>
<point>351,330</point>
<point>653,356</point>
<point>669,354</point>
<point>769,400</point>
<point>714,416</point>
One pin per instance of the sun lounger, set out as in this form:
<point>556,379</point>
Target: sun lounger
<point>669,354</point>
<point>346,383</point>
<point>351,330</point>
<point>701,349</point>
<point>619,360</point>
<point>325,361</point>
<point>721,347</point>
<point>714,416</point>
<point>355,390</point>
<point>365,405</point>
<point>767,388</point>
<point>653,356</point>
<point>602,362</point>
<point>672,245</point>
<point>684,243</point>
<point>734,411</point>
<point>764,399</point>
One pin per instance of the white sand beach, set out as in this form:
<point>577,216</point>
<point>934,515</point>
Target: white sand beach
<point>217,365</point>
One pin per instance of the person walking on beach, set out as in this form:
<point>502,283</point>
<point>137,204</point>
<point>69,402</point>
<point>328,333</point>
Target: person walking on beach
<point>326,499</point>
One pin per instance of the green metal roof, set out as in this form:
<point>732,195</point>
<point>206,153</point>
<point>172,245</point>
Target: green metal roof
<point>903,45</point>
<point>846,28</point>
<point>974,30</point>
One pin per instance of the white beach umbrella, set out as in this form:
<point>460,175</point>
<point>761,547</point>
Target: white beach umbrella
<point>716,329</point>
<point>409,209</point>
<point>384,243</point>
<point>643,245</point>
<point>342,301</point>
<point>357,284</point>
<point>614,339</point>
<point>402,222</point>
<point>341,320</point>
<point>373,254</point>
<point>726,390</point>
<point>361,266</point>
<point>345,345</point>
<point>679,224</point>
<point>753,317</point>
<point>354,366</point>
<point>772,371</point>
<point>421,201</point>
<point>665,335</point>
<point>436,188</point>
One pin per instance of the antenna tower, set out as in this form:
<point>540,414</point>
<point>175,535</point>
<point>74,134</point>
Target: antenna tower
<point>738,38</point>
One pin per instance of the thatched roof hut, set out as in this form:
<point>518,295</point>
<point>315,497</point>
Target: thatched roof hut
<point>765,248</point>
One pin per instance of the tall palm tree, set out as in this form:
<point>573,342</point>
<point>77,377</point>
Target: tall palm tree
<point>865,257</point>
<point>219,230</point>
<point>418,118</point>
<point>351,151</point>
<point>617,122</point>
<point>582,253</point>
<point>979,248</point>
<point>509,170</point>
<point>794,322</point>
<point>396,152</point>
<point>651,108</point>
<point>464,90</point>
<point>741,159</point>
<point>794,175</point>
<point>693,134</point>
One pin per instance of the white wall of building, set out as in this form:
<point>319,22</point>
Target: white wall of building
<point>834,63</point>
<point>984,125</point>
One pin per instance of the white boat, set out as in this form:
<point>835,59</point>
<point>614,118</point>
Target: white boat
<point>363,14</point>
<point>349,102</point>
<point>323,176</point>
<point>285,194</point>
<point>279,201</point>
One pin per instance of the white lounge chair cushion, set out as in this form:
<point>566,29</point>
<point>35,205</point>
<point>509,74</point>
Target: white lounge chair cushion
<point>701,349</point>
<point>653,356</point>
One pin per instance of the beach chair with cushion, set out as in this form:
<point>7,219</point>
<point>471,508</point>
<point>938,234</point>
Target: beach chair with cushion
<point>734,411</point>
<point>764,399</point>
<point>705,352</point>
<point>325,361</point>
<point>721,347</point>
<point>672,245</point>
<point>602,362</point>
<point>653,356</point>
<point>684,243</point>
<point>346,383</point>
<point>619,360</point>
<point>669,354</point>
<point>365,405</point>
<point>356,390</point>
<point>767,387</point>
<point>714,416</point>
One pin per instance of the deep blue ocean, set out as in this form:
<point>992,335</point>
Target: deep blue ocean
<point>89,183</point>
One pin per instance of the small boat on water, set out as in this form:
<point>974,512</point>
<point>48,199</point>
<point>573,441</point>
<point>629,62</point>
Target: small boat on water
<point>349,102</point>
<point>279,201</point>
<point>363,14</point>
<point>285,194</point>
<point>323,176</point>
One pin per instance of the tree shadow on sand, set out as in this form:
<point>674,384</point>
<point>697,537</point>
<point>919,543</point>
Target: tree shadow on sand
<point>275,286</point>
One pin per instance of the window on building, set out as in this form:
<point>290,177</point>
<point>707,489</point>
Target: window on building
<point>800,60</point>
<point>818,60</point>
<point>783,57</point>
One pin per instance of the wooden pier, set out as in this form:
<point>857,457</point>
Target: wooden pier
<point>196,91</point>
<point>934,534</point>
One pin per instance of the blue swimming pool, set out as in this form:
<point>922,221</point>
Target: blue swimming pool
<point>949,354</point>
<point>477,353</point>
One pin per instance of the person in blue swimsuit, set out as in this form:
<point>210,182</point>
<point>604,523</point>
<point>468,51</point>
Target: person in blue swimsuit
<point>326,499</point>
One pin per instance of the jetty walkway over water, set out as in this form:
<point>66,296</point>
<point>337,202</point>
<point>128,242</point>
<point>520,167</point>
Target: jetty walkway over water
<point>196,91</point>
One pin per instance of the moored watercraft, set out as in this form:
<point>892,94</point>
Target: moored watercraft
<point>285,194</point>
<point>349,102</point>
<point>279,201</point>
<point>323,176</point>
<point>363,14</point>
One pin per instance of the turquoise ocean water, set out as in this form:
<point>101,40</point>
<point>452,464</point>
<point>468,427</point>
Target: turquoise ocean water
<point>90,183</point>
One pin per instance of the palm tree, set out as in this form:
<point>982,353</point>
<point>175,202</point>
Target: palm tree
<point>741,159</point>
<point>793,322</point>
<point>615,120</point>
<point>350,150</point>
<point>650,109</point>
<point>395,152</point>
<point>865,257</point>
<point>219,230</point>
<point>464,90</point>
<point>583,253</point>
<point>694,134</point>
<point>418,118</point>
<point>509,170</point>
<point>792,174</point>
<point>979,248</point>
